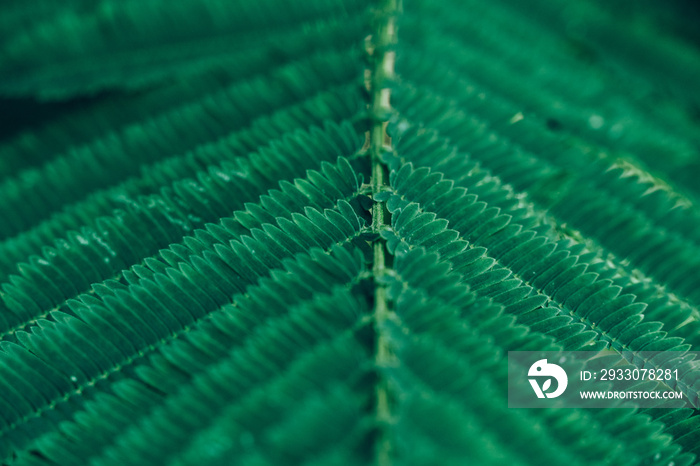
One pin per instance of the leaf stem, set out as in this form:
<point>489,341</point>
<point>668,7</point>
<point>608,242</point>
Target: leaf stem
<point>381,74</point>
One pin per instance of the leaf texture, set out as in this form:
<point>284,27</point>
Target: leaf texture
<point>279,233</point>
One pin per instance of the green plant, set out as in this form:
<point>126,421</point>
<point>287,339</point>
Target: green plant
<point>286,234</point>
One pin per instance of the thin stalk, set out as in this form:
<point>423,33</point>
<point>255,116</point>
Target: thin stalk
<point>381,74</point>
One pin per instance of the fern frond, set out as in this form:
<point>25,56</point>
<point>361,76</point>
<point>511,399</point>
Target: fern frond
<point>158,221</point>
<point>122,310</point>
<point>266,233</point>
<point>114,158</point>
<point>130,45</point>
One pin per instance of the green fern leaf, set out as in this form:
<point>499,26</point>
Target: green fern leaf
<point>261,233</point>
